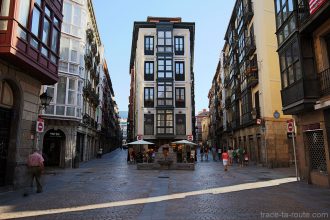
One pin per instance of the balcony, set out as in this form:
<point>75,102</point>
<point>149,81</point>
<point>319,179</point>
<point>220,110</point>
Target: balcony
<point>310,19</point>
<point>88,60</point>
<point>91,94</point>
<point>248,12</point>
<point>252,79</point>
<point>22,48</point>
<point>301,96</point>
<point>324,79</point>
<point>89,121</point>
<point>89,35</point>
<point>250,46</point>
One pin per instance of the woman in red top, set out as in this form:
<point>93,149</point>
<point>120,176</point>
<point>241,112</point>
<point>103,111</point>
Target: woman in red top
<point>225,158</point>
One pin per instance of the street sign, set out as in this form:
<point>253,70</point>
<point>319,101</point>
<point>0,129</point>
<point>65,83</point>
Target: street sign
<point>139,137</point>
<point>190,137</point>
<point>276,115</point>
<point>290,126</point>
<point>40,126</point>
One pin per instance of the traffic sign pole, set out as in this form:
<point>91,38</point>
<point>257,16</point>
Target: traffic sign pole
<point>295,156</point>
<point>291,129</point>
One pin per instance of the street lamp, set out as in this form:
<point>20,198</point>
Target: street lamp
<point>45,99</point>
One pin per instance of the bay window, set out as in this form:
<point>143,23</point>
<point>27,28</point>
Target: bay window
<point>165,69</point>
<point>67,97</point>
<point>165,94</point>
<point>165,122</point>
<point>164,43</point>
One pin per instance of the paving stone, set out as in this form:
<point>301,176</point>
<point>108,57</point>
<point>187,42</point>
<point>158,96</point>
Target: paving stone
<point>102,183</point>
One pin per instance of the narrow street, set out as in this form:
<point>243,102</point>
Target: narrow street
<point>109,188</point>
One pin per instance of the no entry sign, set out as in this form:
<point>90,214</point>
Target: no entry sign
<point>40,126</point>
<point>290,126</point>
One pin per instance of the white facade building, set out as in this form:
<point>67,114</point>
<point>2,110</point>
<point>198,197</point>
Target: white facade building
<point>162,87</point>
<point>74,116</point>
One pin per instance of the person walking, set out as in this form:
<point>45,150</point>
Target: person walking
<point>35,164</point>
<point>219,153</point>
<point>225,158</point>
<point>230,153</point>
<point>206,152</point>
<point>201,151</point>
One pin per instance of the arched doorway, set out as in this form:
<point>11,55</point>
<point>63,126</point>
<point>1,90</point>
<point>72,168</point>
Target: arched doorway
<point>52,145</point>
<point>6,117</point>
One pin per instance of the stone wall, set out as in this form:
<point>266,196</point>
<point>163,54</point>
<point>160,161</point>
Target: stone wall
<point>26,91</point>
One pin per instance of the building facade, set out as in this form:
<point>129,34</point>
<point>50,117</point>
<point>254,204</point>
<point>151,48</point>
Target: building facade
<point>303,34</point>
<point>199,131</point>
<point>123,125</point>
<point>205,131</point>
<point>249,86</point>
<point>161,107</point>
<point>73,121</point>
<point>217,115</point>
<point>29,56</point>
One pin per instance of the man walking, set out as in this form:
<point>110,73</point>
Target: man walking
<point>36,166</point>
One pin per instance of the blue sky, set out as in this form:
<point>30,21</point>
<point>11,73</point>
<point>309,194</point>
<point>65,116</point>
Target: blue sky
<point>115,22</point>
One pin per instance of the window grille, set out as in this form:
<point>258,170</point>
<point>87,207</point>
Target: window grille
<point>314,142</point>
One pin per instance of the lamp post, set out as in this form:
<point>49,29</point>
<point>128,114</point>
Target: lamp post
<point>45,100</point>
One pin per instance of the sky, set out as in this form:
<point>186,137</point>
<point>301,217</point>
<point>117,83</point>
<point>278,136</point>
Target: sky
<point>115,23</point>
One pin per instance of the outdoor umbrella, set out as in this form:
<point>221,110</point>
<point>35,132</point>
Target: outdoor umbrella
<point>184,142</point>
<point>140,142</point>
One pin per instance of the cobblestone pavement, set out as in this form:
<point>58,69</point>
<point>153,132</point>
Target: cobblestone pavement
<point>109,188</point>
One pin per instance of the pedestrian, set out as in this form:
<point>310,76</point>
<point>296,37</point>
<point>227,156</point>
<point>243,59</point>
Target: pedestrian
<point>201,151</point>
<point>35,164</point>
<point>99,153</point>
<point>234,156</point>
<point>230,153</point>
<point>206,153</point>
<point>225,157</point>
<point>246,159</point>
<point>219,153</point>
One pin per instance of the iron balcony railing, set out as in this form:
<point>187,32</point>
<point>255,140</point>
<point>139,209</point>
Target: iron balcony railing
<point>324,79</point>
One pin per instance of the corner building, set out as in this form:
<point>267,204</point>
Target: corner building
<point>303,34</point>
<point>29,58</point>
<point>162,106</point>
<point>252,106</point>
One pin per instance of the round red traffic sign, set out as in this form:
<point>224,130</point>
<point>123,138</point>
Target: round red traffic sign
<point>290,126</point>
<point>40,126</point>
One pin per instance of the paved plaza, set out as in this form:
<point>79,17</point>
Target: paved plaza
<point>109,188</point>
